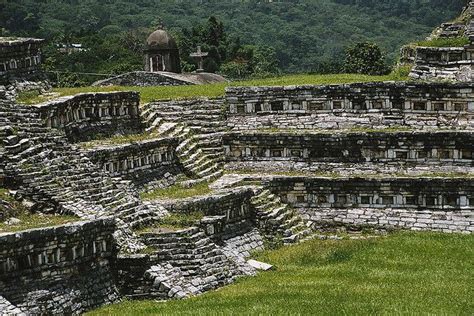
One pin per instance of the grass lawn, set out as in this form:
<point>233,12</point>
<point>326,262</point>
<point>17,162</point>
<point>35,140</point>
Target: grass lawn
<point>216,90</point>
<point>404,273</point>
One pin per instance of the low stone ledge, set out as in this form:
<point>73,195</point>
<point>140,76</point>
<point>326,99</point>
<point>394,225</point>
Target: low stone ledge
<point>407,147</point>
<point>74,262</point>
<point>86,115</point>
<point>447,204</point>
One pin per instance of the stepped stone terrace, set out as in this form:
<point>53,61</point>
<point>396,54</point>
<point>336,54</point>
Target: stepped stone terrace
<point>266,166</point>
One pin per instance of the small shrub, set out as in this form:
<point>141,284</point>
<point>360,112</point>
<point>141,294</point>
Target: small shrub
<point>365,58</point>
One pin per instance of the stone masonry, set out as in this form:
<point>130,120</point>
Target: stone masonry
<point>385,156</point>
<point>20,59</point>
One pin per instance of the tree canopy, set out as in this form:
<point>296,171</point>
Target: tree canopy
<point>302,35</point>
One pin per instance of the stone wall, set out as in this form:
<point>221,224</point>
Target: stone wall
<point>59,270</point>
<point>90,115</point>
<point>439,204</point>
<point>356,147</point>
<point>202,116</point>
<point>445,63</point>
<point>184,263</point>
<point>448,63</point>
<point>149,158</point>
<point>20,59</point>
<point>228,212</point>
<point>385,104</point>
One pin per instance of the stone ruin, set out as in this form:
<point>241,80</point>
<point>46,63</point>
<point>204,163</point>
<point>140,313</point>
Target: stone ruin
<point>377,155</point>
<point>283,165</point>
<point>20,65</point>
<point>162,67</point>
<point>445,63</point>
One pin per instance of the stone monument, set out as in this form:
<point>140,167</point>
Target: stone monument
<point>162,53</point>
<point>199,56</point>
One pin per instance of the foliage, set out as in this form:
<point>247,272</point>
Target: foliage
<point>401,72</point>
<point>404,273</point>
<point>365,58</point>
<point>307,35</point>
<point>226,54</point>
<point>445,42</point>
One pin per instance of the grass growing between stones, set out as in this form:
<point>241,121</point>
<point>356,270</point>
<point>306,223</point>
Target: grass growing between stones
<point>120,140</point>
<point>404,273</point>
<point>175,221</point>
<point>27,219</point>
<point>31,221</point>
<point>149,94</point>
<point>445,42</point>
<point>177,191</point>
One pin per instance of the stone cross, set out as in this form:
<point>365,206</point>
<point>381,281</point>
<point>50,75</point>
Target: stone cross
<point>199,56</point>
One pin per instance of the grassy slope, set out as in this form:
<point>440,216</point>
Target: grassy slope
<point>28,220</point>
<point>216,90</point>
<point>406,273</point>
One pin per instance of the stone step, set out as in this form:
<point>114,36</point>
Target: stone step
<point>190,148</point>
<point>196,170</point>
<point>209,170</point>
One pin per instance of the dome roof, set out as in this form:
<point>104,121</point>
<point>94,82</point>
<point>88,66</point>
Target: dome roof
<point>160,39</point>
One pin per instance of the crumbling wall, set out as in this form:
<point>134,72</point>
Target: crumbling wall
<point>438,204</point>
<point>20,59</point>
<point>59,270</point>
<point>90,115</point>
<point>444,63</point>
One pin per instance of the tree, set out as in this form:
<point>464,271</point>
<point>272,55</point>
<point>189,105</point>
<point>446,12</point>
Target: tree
<point>365,58</point>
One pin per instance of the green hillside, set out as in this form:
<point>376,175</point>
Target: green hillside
<point>307,35</point>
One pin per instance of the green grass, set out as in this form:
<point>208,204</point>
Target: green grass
<point>30,221</point>
<point>445,42</point>
<point>149,94</point>
<point>29,97</point>
<point>176,221</point>
<point>120,140</point>
<point>177,191</point>
<point>404,273</point>
<point>5,195</point>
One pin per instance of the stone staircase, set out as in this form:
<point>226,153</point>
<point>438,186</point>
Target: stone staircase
<point>201,157</point>
<point>277,220</point>
<point>201,264</point>
<point>201,116</point>
<point>199,126</point>
<point>57,176</point>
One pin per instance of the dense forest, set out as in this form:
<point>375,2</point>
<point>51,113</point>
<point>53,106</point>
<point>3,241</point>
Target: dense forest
<point>302,35</point>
